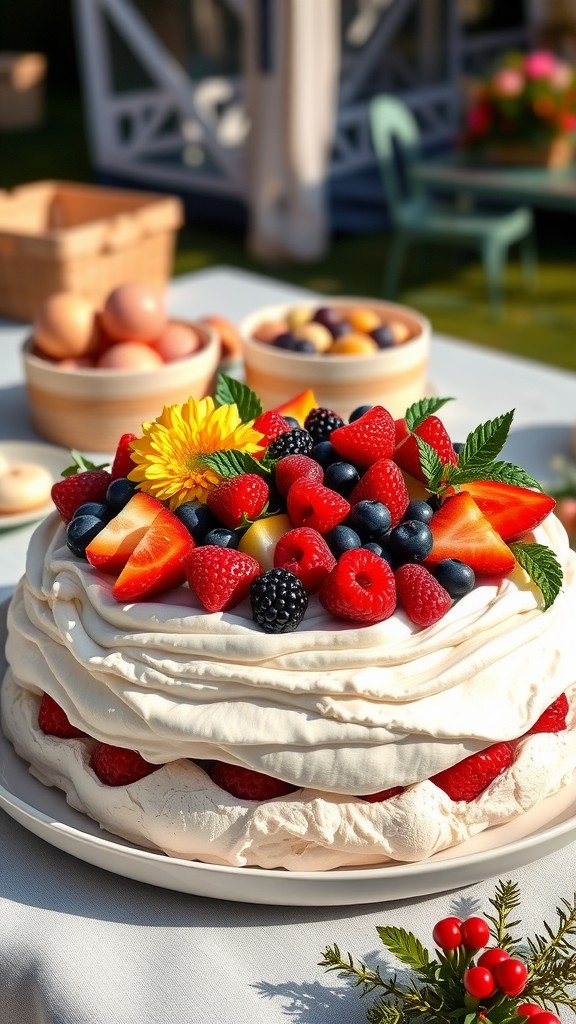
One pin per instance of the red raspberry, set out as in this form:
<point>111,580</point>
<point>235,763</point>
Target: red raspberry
<point>119,766</point>
<point>296,467</point>
<point>360,588</point>
<point>54,721</point>
<point>246,784</point>
<point>421,596</point>
<point>383,482</point>
<point>553,719</point>
<point>312,504</point>
<point>467,779</point>
<point>270,425</point>
<point>123,464</point>
<point>239,500</point>
<point>220,577</point>
<point>304,552</point>
<point>366,440</point>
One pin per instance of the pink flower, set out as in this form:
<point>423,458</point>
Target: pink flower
<point>508,82</point>
<point>540,64</point>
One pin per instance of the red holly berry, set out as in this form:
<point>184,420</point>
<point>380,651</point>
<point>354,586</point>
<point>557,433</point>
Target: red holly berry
<point>296,467</point>
<point>247,784</point>
<point>491,957</point>
<point>446,933</point>
<point>312,504</point>
<point>123,464</point>
<point>544,1017</point>
<point>270,425</point>
<point>53,720</point>
<point>383,794</point>
<point>475,933</point>
<point>553,719</point>
<point>406,452</point>
<point>220,577</point>
<point>305,553</point>
<point>479,982</point>
<point>467,779</point>
<point>360,588</point>
<point>511,976</point>
<point>421,596</point>
<point>119,766</point>
<point>366,440</point>
<point>384,482</point>
<point>529,1010</point>
<point>71,492</point>
<point>241,499</point>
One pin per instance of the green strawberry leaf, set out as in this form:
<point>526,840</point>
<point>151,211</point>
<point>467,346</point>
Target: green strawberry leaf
<point>430,463</point>
<point>542,566</point>
<point>419,411</point>
<point>231,463</point>
<point>230,391</point>
<point>81,464</point>
<point>484,444</point>
<point>502,472</point>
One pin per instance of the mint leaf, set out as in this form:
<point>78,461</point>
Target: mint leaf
<point>542,566</point>
<point>81,464</point>
<point>230,463</point>
<point>230,391</point>
<point>501,472</point>
<point>485,443</point>
<point>419,411</point>
<point>430,463</point>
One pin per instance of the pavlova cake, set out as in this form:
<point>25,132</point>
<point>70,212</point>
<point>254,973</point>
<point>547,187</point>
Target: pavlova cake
<point>280,639</point>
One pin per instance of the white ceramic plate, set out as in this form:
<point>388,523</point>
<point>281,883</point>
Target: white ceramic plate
<point>53,459</point>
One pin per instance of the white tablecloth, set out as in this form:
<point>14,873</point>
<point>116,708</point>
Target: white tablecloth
<point>79,945</point>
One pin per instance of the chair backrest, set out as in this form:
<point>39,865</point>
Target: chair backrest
<point>396,140</point>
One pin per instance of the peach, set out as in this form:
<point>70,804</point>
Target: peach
<point>230,342</point>
<point>176,342</point>
<point>130,355</point>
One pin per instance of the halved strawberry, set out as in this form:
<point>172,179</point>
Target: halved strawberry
<point>119,766</point>
<point>406,453</point>
<point>460,530</point>
<point>367,439</point>
<point>511,510</point>
<point>158,562</point>
<point>112,547</point>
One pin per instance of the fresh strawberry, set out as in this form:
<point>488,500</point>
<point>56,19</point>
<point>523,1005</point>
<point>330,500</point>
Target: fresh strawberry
<point>123,464</point>
<point>239,500</point>
<point>421,596</point>
<point>467,779</point>
<point>53,720</point>
<point>384,794</point>
<point>270,425</point>
<point>383,482</point>
<point>360,588</point>
<point>460,530</point>
<point>304,552</point>
<point>119,766</point>
<point>512,511</point>
<point>295,467</point>
<point>367,439</point>
<point>71,492</point>
<point>220,577</point>
<point>553,719</point>
<point>158,562</point>
<point>111,548</point>
<point>406,452</point>
<point>312,504</point>
<point>247,784</point>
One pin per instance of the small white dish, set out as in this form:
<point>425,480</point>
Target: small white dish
<point>51,458</point>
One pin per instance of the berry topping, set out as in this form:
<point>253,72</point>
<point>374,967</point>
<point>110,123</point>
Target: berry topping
<point>420,595</point>
<point>341,477</point>
<point>247,784</point>
<point>80,531</point>
<point>312,504</point>
<point>119,766</point>
<point>455,576</point>
<point>270,425</point>
<point>321,422</point>
<point>53,721</point>
<point>406,452</point>
<point>460,530</point>
<point>467,779</point>
<point>158,562</point>
<point>239,500</point>
<point>360,588</point>
<point>122,463</point>
<point>419,510</point>
<point>342,538</point>
<point>553,719</point>
<point>410,541</point>
<point>383,482</point>
<point>511,510</point>
<point>293,442</point>
<point>304,552</point>
<point>278,600</point>
<point>370,519</point>
<point>74,490</point>
<point>220,576</point>
<point>111,548</point>
<point>367,439</point>
<point>197,518</point>
<point>293,468</point>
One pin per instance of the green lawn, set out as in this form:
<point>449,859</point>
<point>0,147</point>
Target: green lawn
<point>540,325</point>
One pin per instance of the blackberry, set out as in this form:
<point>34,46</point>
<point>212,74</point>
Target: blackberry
<point>278,601</point>
<point>292,442</point>
<point>321,422</point>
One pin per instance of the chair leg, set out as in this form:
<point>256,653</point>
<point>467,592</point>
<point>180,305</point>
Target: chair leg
<point>494,257</point>
<point>394,265</point>
<point>529,261</point>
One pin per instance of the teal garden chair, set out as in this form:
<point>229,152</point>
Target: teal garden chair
<point>416,218</point>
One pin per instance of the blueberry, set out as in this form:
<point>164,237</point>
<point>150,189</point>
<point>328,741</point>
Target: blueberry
<point>357,413</point>
<point>341,477</point>
<point>324,453</point>
<point>303,345</point>
<point>284,340</point>
<point>370,519</point>
<point>420,510</point>
<point>222,537</point>
<point>455,576</point>
<point>340,329</point>
<point>411,541</point>
<point>342,538</point>
<point>434,501</point>
<point>292,422</point>
<point>458,446</point>
<point>383,336</point>
<point>119,493</point>
<point>327,316</point>
<point>98,509</point>
<point>197,519</point>
<point>80,531</point>
<point>381,550</point>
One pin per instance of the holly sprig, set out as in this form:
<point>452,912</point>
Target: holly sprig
<point>436,992</point>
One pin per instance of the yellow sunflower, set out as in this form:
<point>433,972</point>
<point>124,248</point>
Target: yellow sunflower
<point>169,455</point>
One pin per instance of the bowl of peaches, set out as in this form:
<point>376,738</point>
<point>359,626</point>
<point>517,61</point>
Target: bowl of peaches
<point>93,374</point>
<point>348,350</point>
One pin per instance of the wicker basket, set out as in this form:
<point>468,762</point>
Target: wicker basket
<point>65,236</point>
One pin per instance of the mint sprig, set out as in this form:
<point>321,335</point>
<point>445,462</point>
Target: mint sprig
<point>229,463</point>
<point>230,391</point>
<point>419,411</point>
<point>542,566</point>
<point>485,442</point>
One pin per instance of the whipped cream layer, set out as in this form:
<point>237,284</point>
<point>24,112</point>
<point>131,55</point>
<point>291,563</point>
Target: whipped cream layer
<point>330,707</point>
